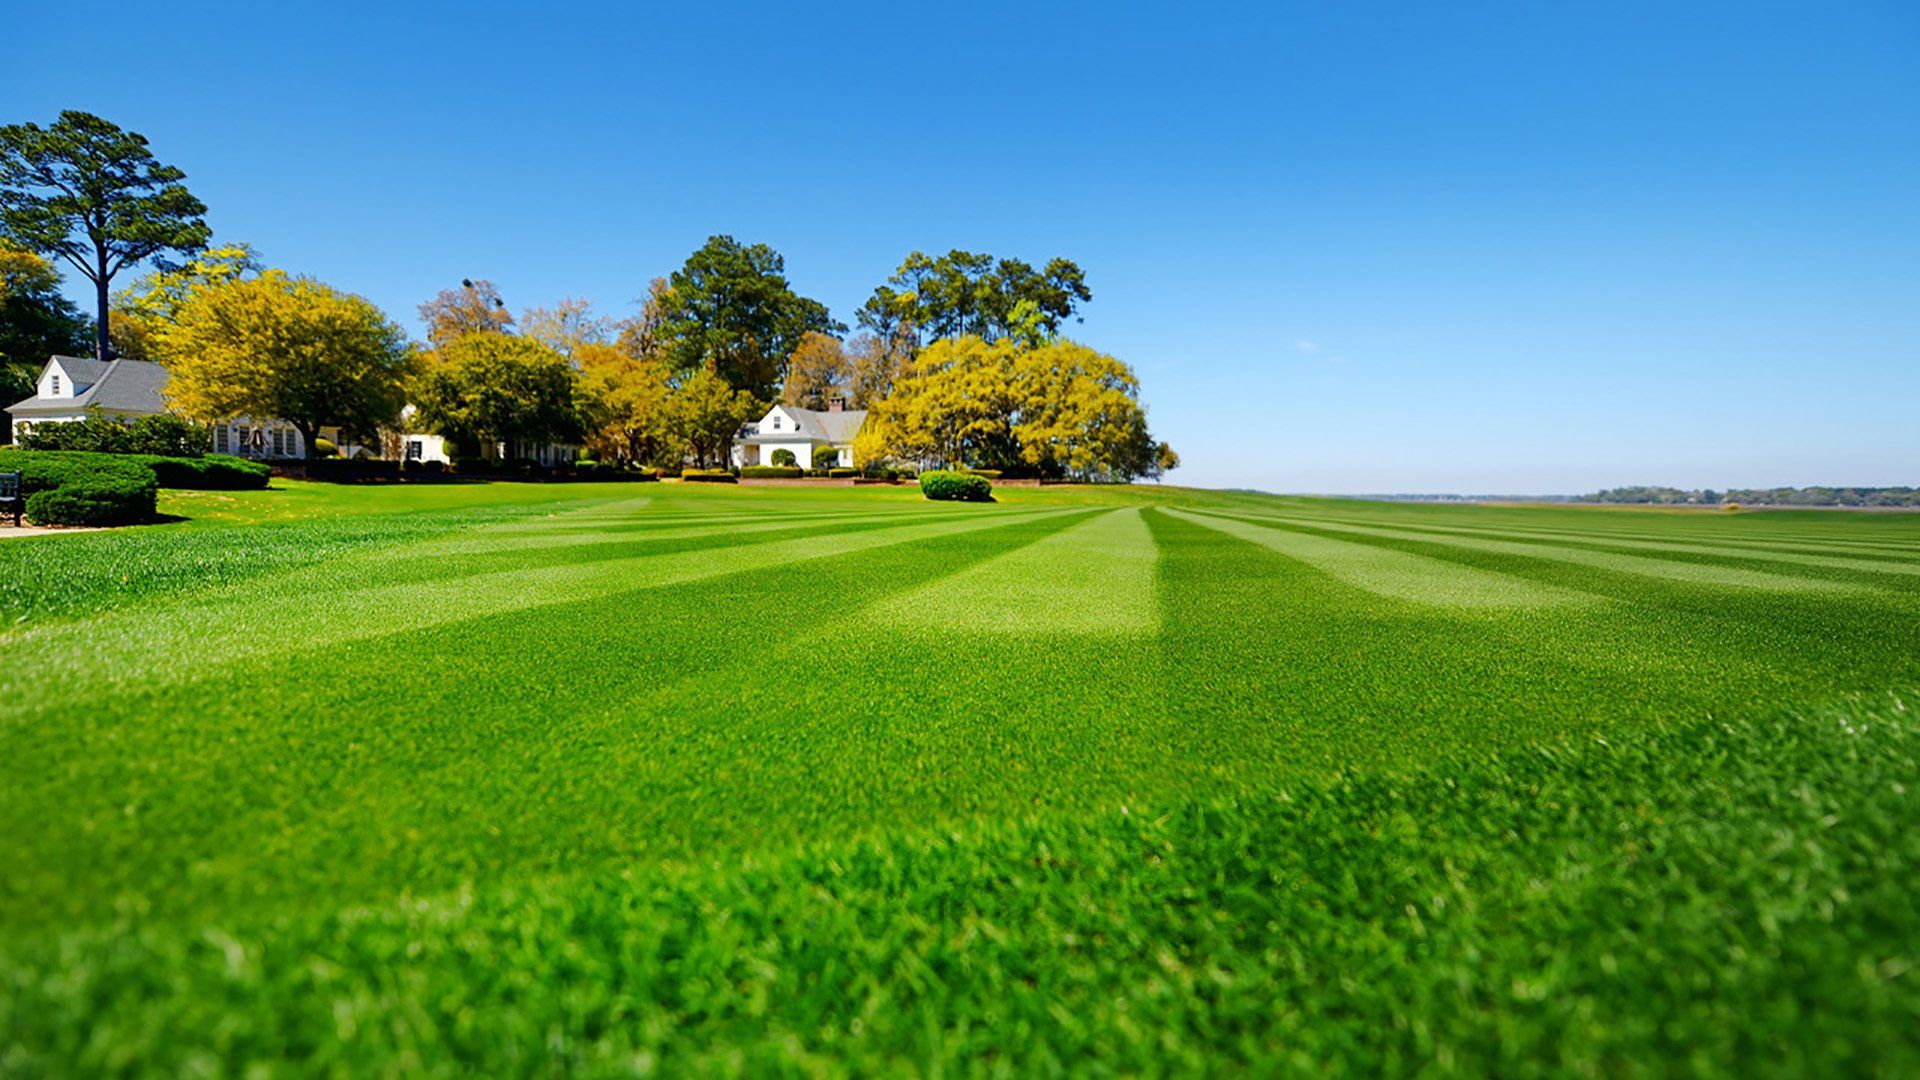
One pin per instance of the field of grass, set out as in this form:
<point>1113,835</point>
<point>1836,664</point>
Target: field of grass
<point>624,778</point>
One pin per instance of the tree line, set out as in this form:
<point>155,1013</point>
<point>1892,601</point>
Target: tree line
<point>1782,496</point>
<point>959,357</point>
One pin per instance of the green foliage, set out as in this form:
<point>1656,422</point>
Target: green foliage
<point>708,476</point>
<point>162,434</point>
<point>731,311</point>
<point>325,448</point>
<point>772,472</point>
<point>990,474</point>
<point>36,321</point>
<point>784,456</point>
<point>91,194</point>
<point>68,488</point>
<point>212,472</point>
<point>962,294</point>
<point>956,487</point>
<point>486,387</point>
<point>841,474</point>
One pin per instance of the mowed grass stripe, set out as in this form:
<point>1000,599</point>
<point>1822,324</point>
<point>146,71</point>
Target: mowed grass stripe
<point>170,644</point>
<point>1394,574</point>
<point>484,542</point>
<point>1094,578</point>
<point>1876,565</point>
<point>1867,555</point>
<point>1697,573</point>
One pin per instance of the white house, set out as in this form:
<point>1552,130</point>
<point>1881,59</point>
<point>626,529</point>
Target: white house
<point>816,438</point>
<point>72,388</point>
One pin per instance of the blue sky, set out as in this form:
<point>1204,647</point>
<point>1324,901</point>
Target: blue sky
<point>1355,247</point>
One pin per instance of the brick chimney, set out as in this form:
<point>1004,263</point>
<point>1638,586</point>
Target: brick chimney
<point>837,404</point>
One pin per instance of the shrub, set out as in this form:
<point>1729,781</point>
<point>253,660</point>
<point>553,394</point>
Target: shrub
<point>771,472</point>
<point>94,500</point>
<point>102,434</point>
<point>708,476</point>
<point>783,457</point>
<point>425,468</point>
<point>586,466</point>
<point>77,488</point>
<point>325,448</point>
<point>956,487</point>
<point>990,474</point>
<point>215,472</point>
<point>842,474</point>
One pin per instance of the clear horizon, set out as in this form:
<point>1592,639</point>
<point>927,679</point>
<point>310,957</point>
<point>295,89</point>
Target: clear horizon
<point>1372,250</point>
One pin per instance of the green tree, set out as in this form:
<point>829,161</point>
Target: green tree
<point>86,191</point>
<point>35,321</point>
<point>286,347</point>
<point>708,413</point>
<point>963,293</point>
<point>731,311</point>
<point>487,388</point>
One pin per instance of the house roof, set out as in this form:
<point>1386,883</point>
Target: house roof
<point>825,425</point>
<point>127,386</point>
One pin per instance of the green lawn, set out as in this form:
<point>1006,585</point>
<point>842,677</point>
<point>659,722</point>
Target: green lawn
<point>619,778</point>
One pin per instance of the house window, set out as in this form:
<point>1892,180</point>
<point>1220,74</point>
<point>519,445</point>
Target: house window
<point>220,442</point>
<point>776,420</point>
<point>279,448</point>
<point>56,386</point>
<point>413,449</point>
<point>243,438</point>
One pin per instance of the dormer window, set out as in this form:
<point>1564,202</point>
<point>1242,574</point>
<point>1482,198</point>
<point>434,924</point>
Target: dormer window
<point>56,386</point>
<point>776,420</point>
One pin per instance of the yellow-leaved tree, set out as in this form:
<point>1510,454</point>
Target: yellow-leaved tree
<point>1058,409</point>
<point>1080,416</point>
<point>626,406</point>
<point>287,348</point>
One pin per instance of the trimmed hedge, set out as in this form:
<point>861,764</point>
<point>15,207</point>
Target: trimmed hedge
<point>956,487</point>
<point>708,476</point>
<point>771,472</point>
<point>990,474</point>
<point>74,487</point>
<point>842,474</point>
<point>214,472</point>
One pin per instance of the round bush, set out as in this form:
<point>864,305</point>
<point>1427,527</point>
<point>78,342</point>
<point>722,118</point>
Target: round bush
<point>106,499</point>
<point>947,486</point>
<point>325,448</point>
<point>783,456</point>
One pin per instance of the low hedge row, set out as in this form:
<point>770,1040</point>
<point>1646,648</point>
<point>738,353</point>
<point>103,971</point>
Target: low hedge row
<point>772,472</point>
<point>708,476</point>
<point>956,486</point>
<point>213,472</point>
<point>990,474</point>
<point>77,487</point>
<point>842,474</point>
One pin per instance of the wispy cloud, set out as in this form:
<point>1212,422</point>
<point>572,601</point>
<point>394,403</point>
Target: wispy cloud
<point>1311,348</point>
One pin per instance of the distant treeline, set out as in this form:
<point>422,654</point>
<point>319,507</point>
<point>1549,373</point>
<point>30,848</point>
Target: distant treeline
<point>1786,496</point>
